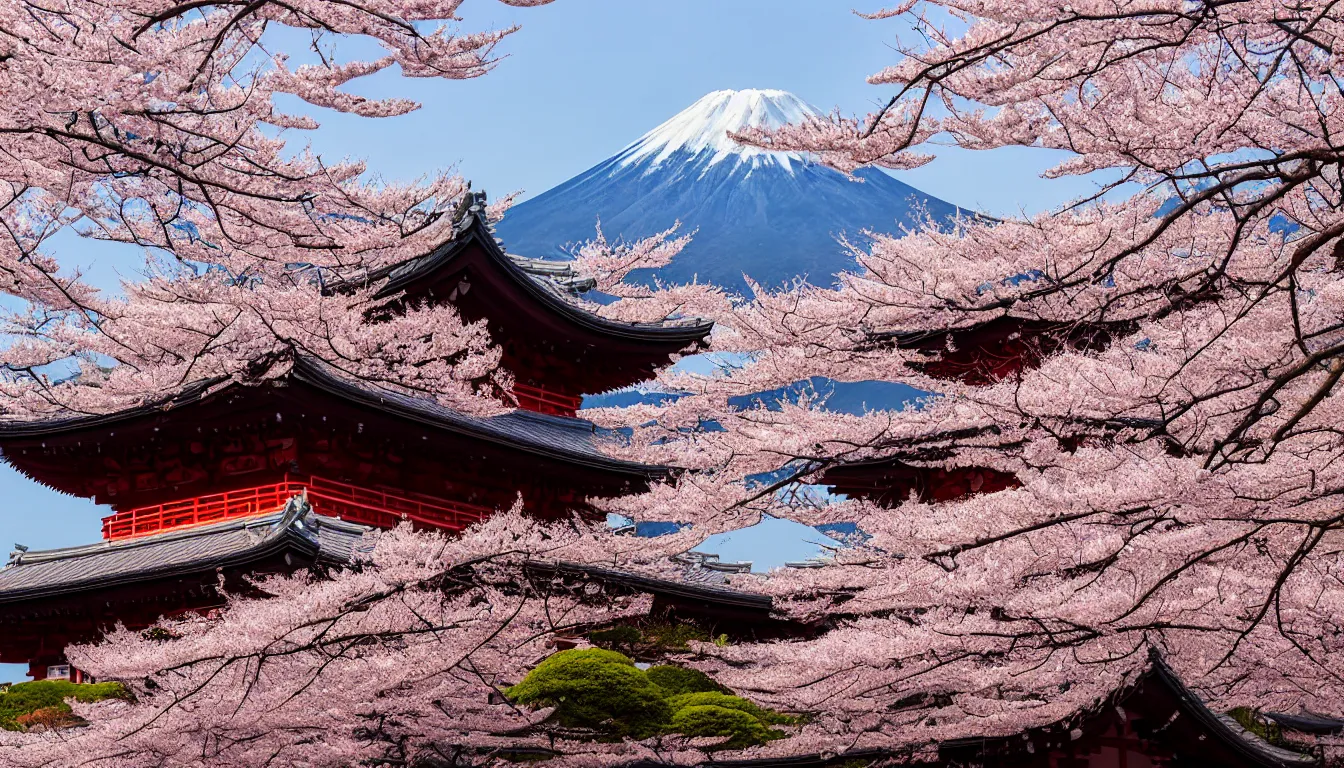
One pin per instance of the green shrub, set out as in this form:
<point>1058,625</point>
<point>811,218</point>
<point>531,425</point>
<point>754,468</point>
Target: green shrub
<point>726,701</point>
<point>679,680</point>
<point>604,690</point>
<point>27,698</point>
<point>741,729</point>
<point>593,688</point>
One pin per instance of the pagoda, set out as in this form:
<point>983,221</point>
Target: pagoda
<point>216,460</point>
<point>979,355</point>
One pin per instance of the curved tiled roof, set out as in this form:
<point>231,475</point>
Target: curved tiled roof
<point>295,530</point>
<point>572,439</point>
<point>553,284</point>
<point>1256,750</point>
<point>1308,722</point>
<point>1215,728</point>
<point>568,439</point>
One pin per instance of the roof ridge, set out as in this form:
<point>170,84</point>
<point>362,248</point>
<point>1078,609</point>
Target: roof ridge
<point>271,519</point>
<point>473,224</point>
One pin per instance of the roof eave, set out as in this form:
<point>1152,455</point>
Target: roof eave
<point>475,229</point>
<point>283,539</point>
<point>716,596</point>
<point>191,393</point>
<point>314,376</point>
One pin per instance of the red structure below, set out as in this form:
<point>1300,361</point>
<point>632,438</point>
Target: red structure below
<point>341,500</point>
<point>540,400</point>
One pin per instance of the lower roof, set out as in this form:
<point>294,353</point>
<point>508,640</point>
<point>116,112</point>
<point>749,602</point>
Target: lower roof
<point>296,530</point>
<point>1216,730</point>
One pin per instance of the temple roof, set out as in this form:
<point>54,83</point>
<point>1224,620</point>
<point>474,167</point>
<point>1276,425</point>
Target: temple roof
<point>554,284</point>
<point>563,437</point>
<point>1308,722</point>
<point>568,439</point>
<point>297,530</point>
<point>1218,737</point>
<point>293,532</point>
<point>554,274</point>
<point>1225,729</point>
<point>716,594</point>
<point>1220,729</point>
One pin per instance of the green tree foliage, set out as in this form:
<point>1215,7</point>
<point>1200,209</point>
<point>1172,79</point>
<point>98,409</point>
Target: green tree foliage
<point>26,698</point>
<point>679,680</point>
<point>594,688</point>
<point>604,690</point>
<point>743,729</point>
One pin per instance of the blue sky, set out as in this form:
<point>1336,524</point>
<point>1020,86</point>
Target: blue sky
<point>578,82</point>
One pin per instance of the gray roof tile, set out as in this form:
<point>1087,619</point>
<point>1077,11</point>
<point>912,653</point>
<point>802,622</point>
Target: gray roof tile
<point>109,563</point>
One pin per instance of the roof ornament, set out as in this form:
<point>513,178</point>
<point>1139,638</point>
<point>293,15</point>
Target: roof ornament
<point>16,556</point>
<point>473,205</point>
<point>298,514</point>
<point>463,206</point>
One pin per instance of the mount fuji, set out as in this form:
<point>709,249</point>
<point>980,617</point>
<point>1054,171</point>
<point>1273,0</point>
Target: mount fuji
<point>771,215</point>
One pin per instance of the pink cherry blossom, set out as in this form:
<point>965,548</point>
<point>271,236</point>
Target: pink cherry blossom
<point>1157,368</point>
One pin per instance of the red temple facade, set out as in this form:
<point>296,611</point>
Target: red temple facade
<point>223,447</point>
<point>890,481</point>
<point>1000,348</point>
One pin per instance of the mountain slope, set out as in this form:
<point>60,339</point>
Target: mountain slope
<point>771,215</point>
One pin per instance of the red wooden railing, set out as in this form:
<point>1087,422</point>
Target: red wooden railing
<point>328,497</point>
<point>541,400</point>
<point>363,505</point>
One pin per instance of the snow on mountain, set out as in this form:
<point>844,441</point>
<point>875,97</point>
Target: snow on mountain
<point>704,126</point>
<point>770,215</point>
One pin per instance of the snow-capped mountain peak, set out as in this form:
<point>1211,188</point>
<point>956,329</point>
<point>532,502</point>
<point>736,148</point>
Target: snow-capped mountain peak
<point>703,127</point>
<point>771,215</point>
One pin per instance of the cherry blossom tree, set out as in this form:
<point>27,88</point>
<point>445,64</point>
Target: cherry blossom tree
<point>1153,367</point>
<point>610,265</point>
<point>157,124</point>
